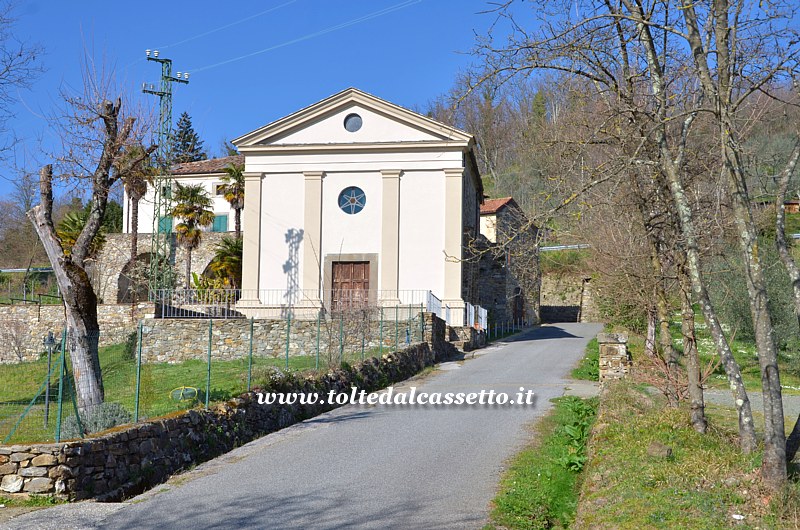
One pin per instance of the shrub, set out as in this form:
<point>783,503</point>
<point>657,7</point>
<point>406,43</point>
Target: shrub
<point>103,417</point>
<point>728,291</point>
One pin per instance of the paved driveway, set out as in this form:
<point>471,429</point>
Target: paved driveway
<point>364,466</point>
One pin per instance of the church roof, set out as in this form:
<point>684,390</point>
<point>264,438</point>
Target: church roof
<point>348,97</point>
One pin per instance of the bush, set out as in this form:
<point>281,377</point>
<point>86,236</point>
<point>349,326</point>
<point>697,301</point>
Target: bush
<point>103,417</point>
<point>728,290</point>
<point>130,345</point>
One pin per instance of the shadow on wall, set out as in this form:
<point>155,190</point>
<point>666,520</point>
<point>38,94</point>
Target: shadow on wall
<point>291,267</point>
<point>559,313</point>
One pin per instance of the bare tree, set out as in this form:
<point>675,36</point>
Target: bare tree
<point>97,134</point>
<point>623,53</point>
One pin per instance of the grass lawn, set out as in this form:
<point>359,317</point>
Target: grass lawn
<point>705,483</point>
<point>540,488</point>
<point>589,367</point>
<point>19,384</point>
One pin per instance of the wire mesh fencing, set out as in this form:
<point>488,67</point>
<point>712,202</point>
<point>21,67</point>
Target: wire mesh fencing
<point>167,366</point>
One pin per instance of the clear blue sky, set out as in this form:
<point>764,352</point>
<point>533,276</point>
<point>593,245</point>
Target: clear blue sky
<point>405,51</point>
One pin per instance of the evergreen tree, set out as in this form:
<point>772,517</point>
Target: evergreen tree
<point>186,144</point>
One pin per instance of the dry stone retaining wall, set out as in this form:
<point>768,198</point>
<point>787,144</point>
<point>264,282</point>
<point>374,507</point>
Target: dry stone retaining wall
<point>23,327</point>
<point>129,459</point>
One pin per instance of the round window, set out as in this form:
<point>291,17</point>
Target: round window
<point>352,122</point>
<point>352,200</point>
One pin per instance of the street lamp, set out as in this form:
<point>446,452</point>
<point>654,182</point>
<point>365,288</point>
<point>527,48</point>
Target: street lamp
<point>49,343</point>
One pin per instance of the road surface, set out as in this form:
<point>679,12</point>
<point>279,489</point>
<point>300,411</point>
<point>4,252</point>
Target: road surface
<point>378,466</point>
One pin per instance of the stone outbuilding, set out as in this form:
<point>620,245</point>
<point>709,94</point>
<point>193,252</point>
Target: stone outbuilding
<point>510,276</point>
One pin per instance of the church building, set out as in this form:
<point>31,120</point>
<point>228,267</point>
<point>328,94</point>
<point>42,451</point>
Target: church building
<point>357,199</point>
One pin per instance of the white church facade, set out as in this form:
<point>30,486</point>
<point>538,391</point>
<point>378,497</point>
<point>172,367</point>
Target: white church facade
<point>353,200</point>
<point>356,197</point>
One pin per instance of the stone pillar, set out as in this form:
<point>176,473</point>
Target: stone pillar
<point>615,361</point>
<point>390,238</point>
<point>312,235</point>
<point>251,234</point>
<point>453,243</point>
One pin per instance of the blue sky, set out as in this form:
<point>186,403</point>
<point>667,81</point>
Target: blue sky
<point>405,51</point>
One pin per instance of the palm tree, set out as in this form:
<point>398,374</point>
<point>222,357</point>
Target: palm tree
<point>192,205</point>
<point>70,227</point>
<point>234,192</point>
<point>135,182</point>
<point>227,262</point>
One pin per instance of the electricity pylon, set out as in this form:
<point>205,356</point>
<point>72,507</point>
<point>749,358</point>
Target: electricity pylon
<point>161,275</point>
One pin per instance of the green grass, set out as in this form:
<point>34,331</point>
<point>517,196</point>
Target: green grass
<point>19,384</point>
<point>31,501</point>
<point>563,261</point>
<point>540,488</point>
<point>702,485</point>
<point>589,367</point>
<point>746,356</point>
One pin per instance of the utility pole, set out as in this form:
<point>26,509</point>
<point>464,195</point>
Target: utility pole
<point>161,276</point>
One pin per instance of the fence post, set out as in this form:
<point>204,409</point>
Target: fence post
<point>250,357</point>
<point>341,340</point>
<point>138,374</point>
<point>421,324</point>
<point>288,332</point>
<point>208,374</point>
<point>319,318</point>
<point>61,384</point>
<point>381,331</point>
<point>396,330</point>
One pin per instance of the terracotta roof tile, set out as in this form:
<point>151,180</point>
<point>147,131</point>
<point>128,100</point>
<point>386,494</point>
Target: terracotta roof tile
<point>213,165</point>
<point>490,206</point>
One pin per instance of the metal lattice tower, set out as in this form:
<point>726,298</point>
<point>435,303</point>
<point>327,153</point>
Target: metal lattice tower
<point>161,275</point>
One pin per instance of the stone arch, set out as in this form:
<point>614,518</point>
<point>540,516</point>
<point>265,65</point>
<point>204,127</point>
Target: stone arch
<point>131,283</point>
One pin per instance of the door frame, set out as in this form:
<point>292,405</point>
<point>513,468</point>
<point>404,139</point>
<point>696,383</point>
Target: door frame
<point>327,276</point>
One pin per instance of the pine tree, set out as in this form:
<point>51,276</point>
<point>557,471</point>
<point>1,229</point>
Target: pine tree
<point>186,144</point>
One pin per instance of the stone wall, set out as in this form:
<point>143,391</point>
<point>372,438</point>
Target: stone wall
<point>567,298</point>
<point>23,327</point>
<point>176,340</point>
<point>129,459</point>
<point>510,276</point>
<point>615,360</point>
<point>116,253</point>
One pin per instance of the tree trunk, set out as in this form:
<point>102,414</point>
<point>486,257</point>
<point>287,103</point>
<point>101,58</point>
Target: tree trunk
<point>793,442</point>
<point>80,306</point>
<point>188,268</point>
<point>650,338</point>
<point>238,221</point>
<point>747,433</point>
<point>773,467</point>
<point>134,228</point>
<point>697,415</point>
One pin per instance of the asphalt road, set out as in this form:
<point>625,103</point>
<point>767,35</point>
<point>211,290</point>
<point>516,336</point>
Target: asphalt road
<point>365,466</point>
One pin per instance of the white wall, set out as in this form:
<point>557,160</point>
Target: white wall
<point>489,227</point>
<point>422,231</point>
<point>146,205</point>
<point>282,197</point>
<point>359,233</point>
<point>330,129</point>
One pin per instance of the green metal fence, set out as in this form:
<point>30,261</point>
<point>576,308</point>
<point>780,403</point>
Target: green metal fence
<point>142,380</point>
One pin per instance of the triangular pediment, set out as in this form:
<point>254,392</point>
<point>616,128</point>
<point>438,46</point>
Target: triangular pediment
<point>331,122</point>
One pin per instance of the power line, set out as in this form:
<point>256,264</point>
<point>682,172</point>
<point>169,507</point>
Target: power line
<point>343,25</point>
<point>226,26</point>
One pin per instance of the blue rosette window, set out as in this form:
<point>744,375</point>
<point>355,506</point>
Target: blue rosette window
<point>352,200</point>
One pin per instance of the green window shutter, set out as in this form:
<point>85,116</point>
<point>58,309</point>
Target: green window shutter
<point>220,223</point>
<point>165,225</point>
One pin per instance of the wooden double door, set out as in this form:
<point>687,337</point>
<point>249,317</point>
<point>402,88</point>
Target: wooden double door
<point>350,288</point>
